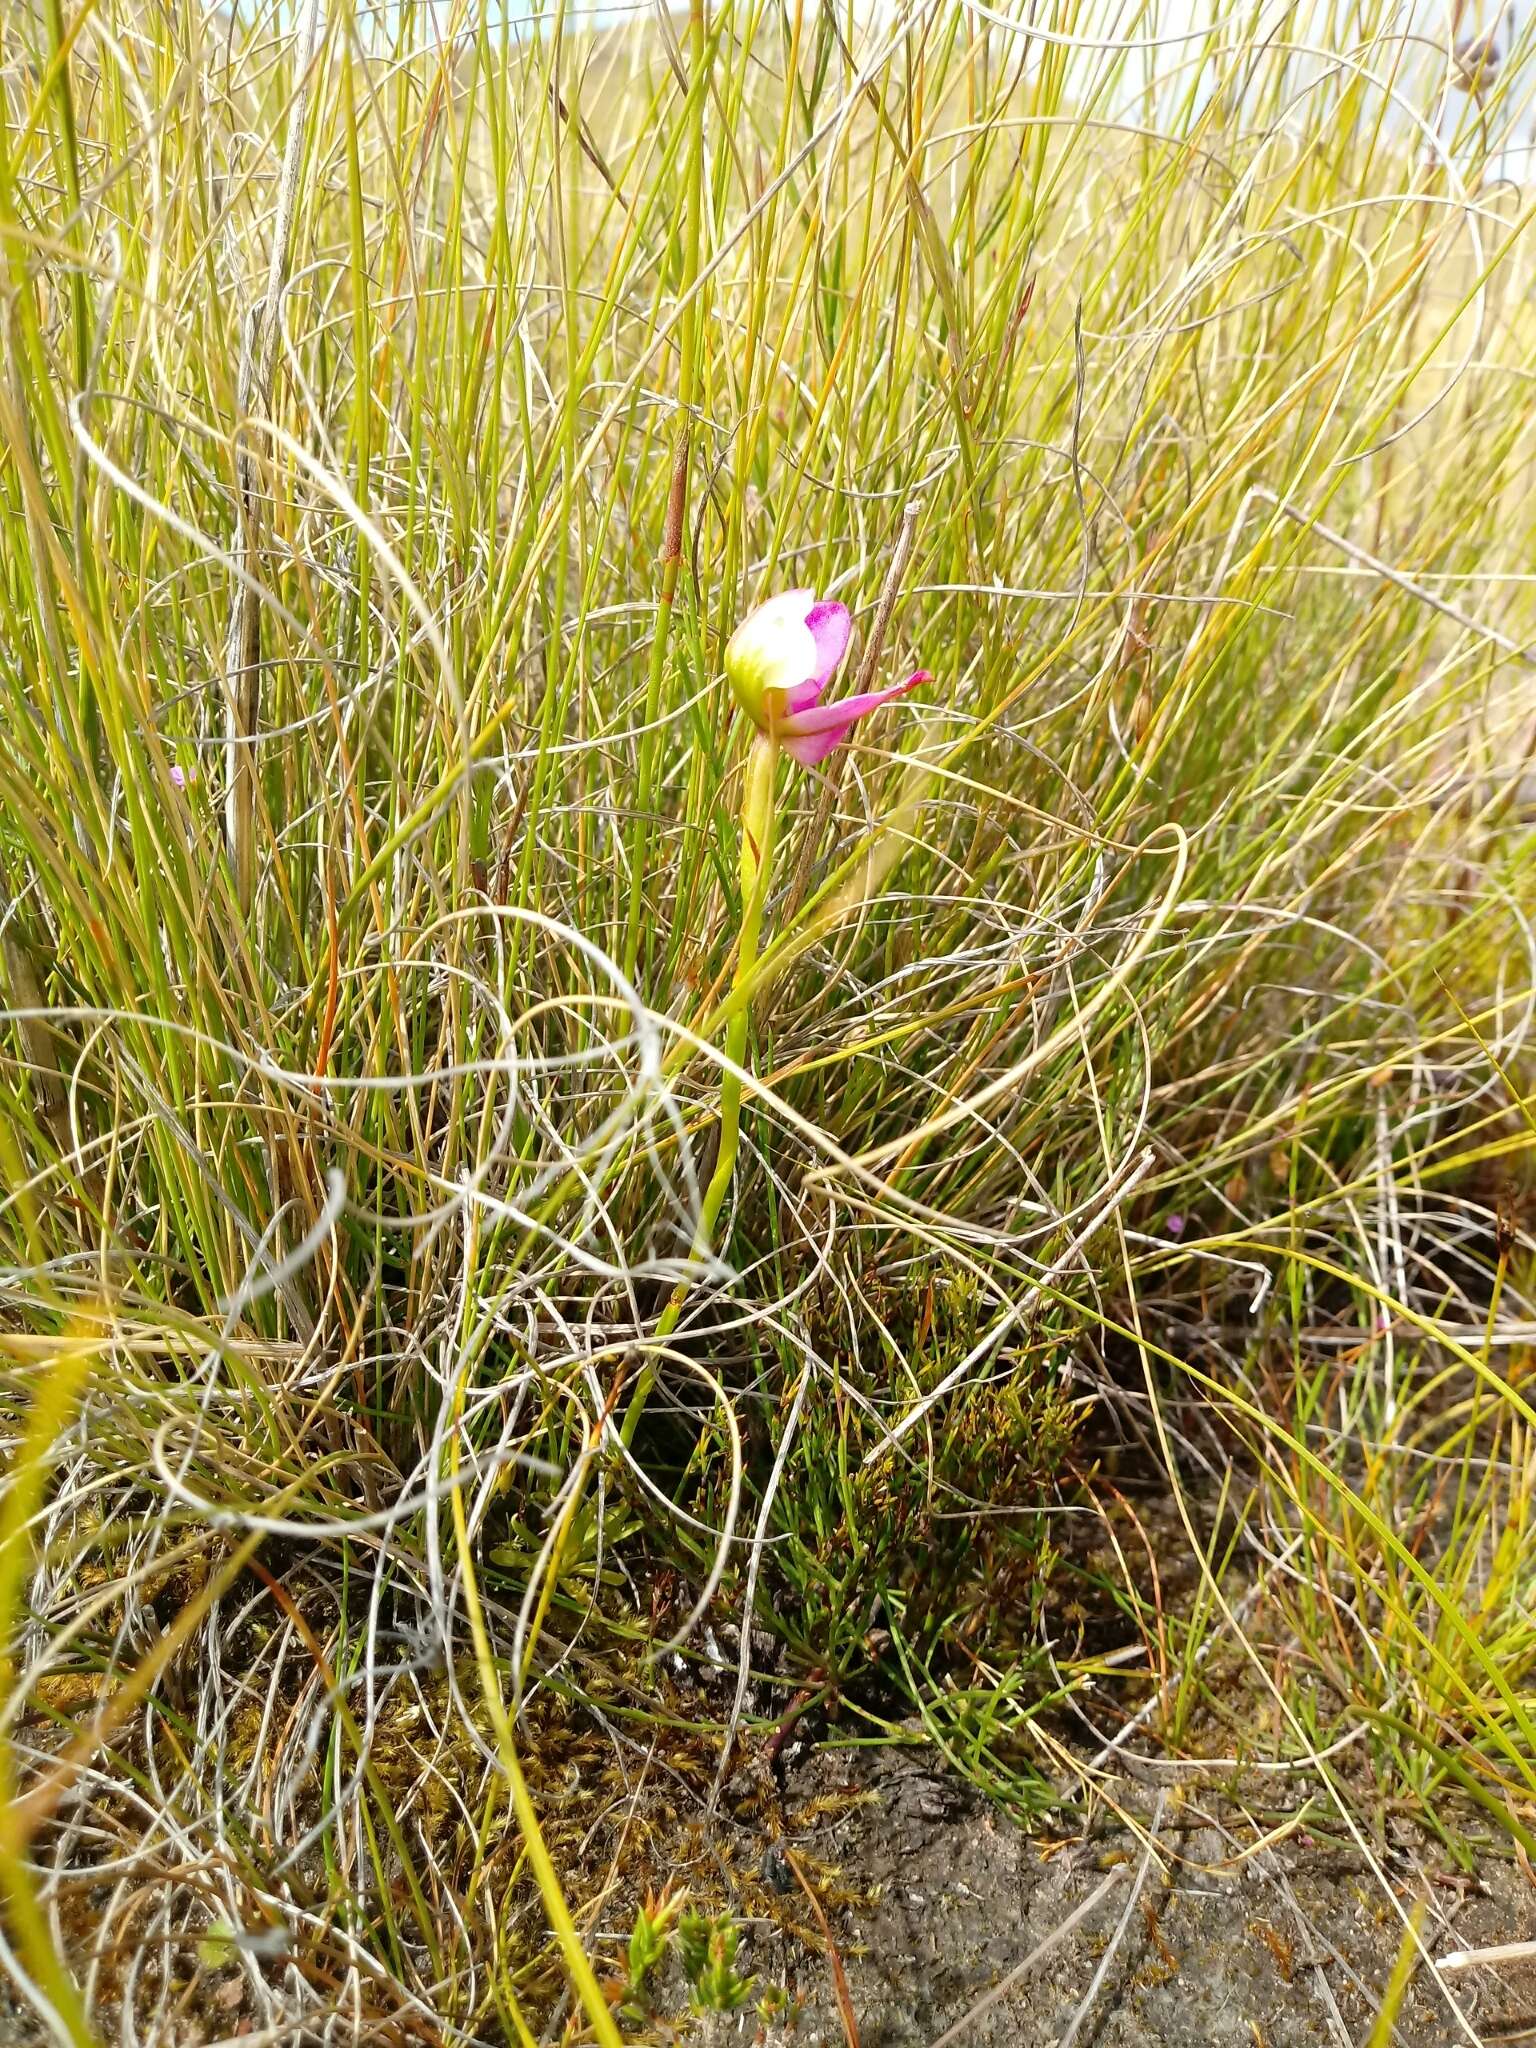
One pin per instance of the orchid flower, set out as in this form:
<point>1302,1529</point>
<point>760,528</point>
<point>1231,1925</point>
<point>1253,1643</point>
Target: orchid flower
<point>780,659</point>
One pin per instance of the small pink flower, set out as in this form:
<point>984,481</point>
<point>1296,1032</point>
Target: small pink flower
<point>178,775</point>
<point>780,659</point>
<point>1173,1223</point>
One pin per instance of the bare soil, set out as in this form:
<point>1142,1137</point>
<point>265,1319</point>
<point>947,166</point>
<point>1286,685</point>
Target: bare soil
<point>1227,1943</point>
<point>1203,1920</point>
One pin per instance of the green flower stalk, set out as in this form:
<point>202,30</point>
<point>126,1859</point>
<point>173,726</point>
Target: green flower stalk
<point>759,822</point>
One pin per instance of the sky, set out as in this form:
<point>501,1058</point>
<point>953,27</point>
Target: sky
<point>1163,37</point>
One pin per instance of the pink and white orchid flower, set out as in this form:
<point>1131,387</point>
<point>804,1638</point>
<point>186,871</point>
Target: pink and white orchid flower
<point>780,659</point>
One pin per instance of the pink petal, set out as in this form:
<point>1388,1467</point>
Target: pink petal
<point>810,747</point>
<point>831,628</point>
<point>808,736</point>
<point>800,698</point>
<point>847,710</point>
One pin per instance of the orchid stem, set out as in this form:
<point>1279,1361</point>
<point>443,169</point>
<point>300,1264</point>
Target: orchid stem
<point>759,819</point>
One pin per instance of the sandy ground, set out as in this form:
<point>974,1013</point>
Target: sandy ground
<point>1222,1946</point>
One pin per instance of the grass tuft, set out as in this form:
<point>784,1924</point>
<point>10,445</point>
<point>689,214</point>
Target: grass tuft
<point>1114,1337</point>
